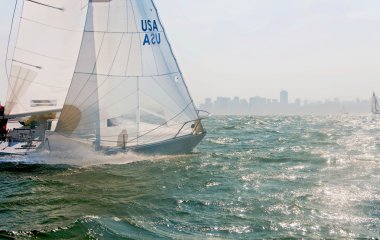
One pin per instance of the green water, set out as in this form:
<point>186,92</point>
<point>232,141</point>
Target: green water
<point>250,178</point>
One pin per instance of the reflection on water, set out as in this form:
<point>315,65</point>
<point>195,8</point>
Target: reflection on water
<point>252,177</point>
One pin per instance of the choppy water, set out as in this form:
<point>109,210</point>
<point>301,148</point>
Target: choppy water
<point>252,177</point>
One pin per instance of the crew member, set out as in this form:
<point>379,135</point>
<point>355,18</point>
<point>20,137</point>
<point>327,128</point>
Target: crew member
<point>3,124</point>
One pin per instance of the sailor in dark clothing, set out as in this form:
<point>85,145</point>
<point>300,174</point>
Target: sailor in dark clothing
<point>3,124</point>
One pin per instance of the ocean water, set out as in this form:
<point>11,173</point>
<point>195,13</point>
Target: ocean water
<point>252,177</point>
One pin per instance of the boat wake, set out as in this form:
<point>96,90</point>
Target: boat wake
<point>83,158</point>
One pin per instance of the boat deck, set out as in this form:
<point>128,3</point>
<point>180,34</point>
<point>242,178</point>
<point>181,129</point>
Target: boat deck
<point>21,141</point>
<point>19,148</point>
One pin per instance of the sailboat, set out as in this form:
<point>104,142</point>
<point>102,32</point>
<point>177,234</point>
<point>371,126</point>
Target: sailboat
<point>375,105</point>
<point>108,70</point>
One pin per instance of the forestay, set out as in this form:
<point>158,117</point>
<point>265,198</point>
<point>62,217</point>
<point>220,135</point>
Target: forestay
<point>127,86</point>
<point>47,44</point>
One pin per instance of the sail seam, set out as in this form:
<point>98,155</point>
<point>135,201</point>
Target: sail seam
<point>108,106</point>
<point>127,76</point>
<point>93,69</point>
<point>170,95</point>
<point>104,81</point>
<point>42,84</point>
<point>50,26</point>
<point>115,32</point>
<point>164,123</point>
<point>42,55</point>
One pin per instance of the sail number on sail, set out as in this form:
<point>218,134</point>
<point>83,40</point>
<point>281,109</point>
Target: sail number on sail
<point>153,37</point>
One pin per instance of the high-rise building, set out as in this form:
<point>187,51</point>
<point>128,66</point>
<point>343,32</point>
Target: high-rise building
<point>284,98</point>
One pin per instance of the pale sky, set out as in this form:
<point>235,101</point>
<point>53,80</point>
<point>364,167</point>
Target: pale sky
<point>315,49</point>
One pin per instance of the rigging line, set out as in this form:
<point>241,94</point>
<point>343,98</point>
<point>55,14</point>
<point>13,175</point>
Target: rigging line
<point>89,113</point>
<point>166,133</point>
<point>167,93</point>
<point>107,76</point>
<point>129,55</point>
<point>158,102</point>
<point>9,40</point>
<point>93,113</point>
<point>95,64</point>
<point>109,106</point>
<point>46,5</point>
<point>106,94</point>
<point>121,82</point>
<point>183,110</point>
<point>175,59</point>
<point>173,129</point>
<point>93,69</point>
<point>172,126</point>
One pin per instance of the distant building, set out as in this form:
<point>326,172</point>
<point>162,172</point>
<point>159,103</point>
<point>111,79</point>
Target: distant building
<point>284,98</point>
<point>298,102</point>
<point>208,105</point>
<point>255,101</point>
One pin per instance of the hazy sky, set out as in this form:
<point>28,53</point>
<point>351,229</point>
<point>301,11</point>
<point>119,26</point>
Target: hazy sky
<point>315,49</point>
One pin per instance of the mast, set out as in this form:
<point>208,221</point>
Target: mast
<point>138,112</point>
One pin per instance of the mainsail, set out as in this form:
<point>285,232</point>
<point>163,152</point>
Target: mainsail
<point>45,55</point>
<point>127,87</point>
<point>375,105</point>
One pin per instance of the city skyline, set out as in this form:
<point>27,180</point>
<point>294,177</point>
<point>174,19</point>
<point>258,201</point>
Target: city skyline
<point>271,106</point>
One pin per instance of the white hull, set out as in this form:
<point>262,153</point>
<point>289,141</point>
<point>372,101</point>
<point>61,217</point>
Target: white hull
<point>180,145</point>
